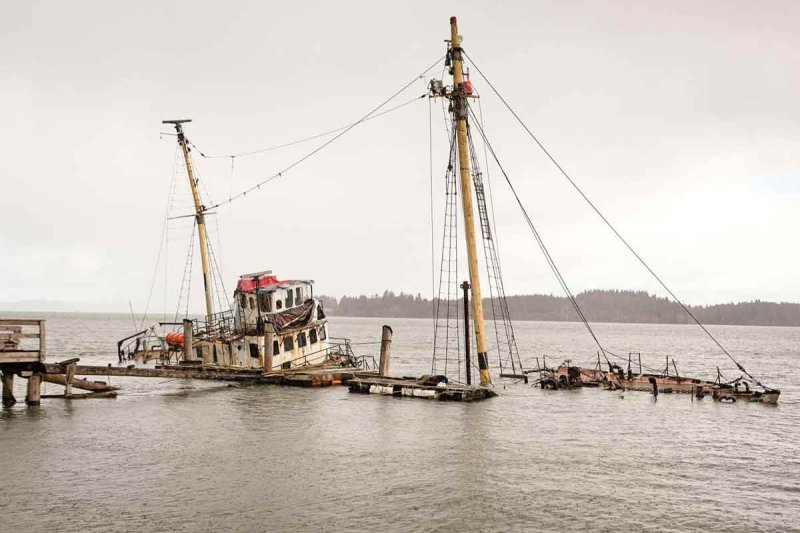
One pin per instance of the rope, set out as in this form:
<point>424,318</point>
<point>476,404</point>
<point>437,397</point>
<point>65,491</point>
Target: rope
<point>160,244</point>
<point>612,228</point>
<point>329,141</point>
<point>187,273</point>
<point>305,139</point>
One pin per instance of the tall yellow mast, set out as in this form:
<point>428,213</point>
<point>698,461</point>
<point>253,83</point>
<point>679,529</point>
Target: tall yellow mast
<point>199,215</point>
<point>459,99</point>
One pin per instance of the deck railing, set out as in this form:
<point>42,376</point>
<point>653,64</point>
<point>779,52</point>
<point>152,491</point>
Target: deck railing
<point>13,332</point>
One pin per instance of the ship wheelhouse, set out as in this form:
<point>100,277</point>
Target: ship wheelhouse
<point>279,320</point>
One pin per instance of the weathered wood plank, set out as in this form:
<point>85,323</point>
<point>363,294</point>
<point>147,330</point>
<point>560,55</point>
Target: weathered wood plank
<point>20,356</point>
<point>42,338</point>
<point>20,322</point>
<point>82,396</point>
<point>78,383</point>
<point>162,372</point>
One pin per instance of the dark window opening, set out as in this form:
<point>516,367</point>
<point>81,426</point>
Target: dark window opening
<point>299,297</point>
<point>301,339</point>
<point>253,349</point>
<point>252,303</point>
<point>243,301</point>
<point>287,365</point>
<point>288,343</point>
<point>263,301</point>
<point>276,348</point>
<point>312,336</point>
<point>278,304</point>
<point>322,333</point>
<point>214,351</point>
<point>289,298</point>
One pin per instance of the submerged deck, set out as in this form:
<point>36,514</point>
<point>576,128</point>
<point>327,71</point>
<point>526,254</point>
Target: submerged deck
<point>420,388</point>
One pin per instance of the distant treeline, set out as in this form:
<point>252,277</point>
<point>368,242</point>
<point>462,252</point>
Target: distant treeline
<point>597,305</point>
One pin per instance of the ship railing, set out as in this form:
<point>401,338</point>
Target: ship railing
<point>217,326</point>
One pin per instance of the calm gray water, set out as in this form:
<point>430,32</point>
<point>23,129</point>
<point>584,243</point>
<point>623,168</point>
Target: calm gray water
<point>177,455</point>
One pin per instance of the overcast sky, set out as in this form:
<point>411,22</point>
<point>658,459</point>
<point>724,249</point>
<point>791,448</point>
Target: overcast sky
<point>679,119</point>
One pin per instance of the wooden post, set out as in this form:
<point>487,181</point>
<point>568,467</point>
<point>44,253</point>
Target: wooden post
<point>42,340</point>
<point>269,340</point>
<point>8,389</point>
<point>188,348</point>
<point>386,351</point>
<point>69,375</point>
<point>34,390</point>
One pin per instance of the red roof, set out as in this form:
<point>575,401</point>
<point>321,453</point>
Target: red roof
<point>249,284</point>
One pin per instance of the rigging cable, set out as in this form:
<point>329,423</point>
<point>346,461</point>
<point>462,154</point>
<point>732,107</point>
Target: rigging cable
<point>433,236</point>
<point>539,240</point>
<point>161,244</point>
<point>305,139</point>
<point>612,228</point>
<point>331,140</point>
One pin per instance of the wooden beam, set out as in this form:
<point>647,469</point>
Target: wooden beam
<point>19,356</point>
<point>78,383</point>
<point>189,372</point>
<point>20,322</point>
<point>42,337</point>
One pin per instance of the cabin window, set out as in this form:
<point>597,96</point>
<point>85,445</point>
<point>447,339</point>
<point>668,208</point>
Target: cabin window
<point>287,365</point>
<point>288,343</point>
<point>252,303</point>
<point>276,348</point>
<point>263,301</point>
<point>243,301</point>
<point>299,295</point>
<point>253,349</point>
<point>214,351</point>
<point>312,335</point>
<point>322,333</point>
<point>301,339</point>
<point>278,304</point>
<point>289,298</point>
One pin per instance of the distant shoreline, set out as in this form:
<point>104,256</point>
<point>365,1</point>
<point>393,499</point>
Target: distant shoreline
<point>599,306</point>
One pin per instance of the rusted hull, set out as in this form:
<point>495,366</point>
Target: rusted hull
<point>575,377</point>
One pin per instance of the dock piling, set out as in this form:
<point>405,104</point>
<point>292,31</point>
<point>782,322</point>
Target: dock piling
<point>8,389</point>
<point>188,350</point>
<point>386,351</point>
<point>34,393</point>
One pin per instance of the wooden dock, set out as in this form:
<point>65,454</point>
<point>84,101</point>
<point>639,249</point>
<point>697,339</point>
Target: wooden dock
<point>30,363</point>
